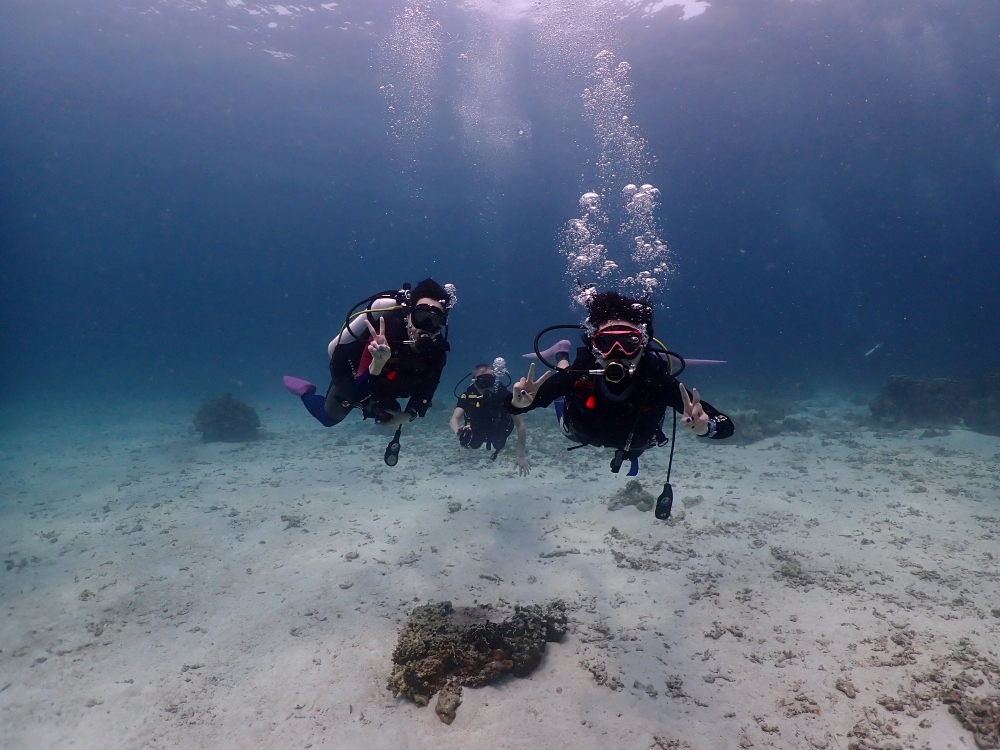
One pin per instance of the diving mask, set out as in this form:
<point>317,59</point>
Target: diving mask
<point>428,319</point>
<point>621,341</point>
<point>486,382</point>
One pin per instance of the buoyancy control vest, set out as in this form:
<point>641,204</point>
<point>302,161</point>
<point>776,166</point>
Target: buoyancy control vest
<point>595,415</point>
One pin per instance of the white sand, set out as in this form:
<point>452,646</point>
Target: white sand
<point>155,598</point>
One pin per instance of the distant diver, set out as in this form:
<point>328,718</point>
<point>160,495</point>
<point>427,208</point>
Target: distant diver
<point>480,416</point>
<point>616,392</point>
<point>371,368</point>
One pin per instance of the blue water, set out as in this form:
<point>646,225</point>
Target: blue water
<point>193,193</point>
<point>180,207</point>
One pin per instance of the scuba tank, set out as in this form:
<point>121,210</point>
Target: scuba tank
<point>351,340</point>
<point>355,326</point>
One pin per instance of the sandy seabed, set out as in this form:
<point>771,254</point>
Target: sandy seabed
<point>831,590</point>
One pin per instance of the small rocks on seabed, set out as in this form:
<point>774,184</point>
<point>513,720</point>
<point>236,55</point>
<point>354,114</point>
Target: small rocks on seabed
<point>632,494</point>
<point>449,699</point>
<point>718,630</point>
<point>690,502</point>
<point>559,553</point>
<point>647,689</point>
<point>443,648</point>
<point>847,687</point>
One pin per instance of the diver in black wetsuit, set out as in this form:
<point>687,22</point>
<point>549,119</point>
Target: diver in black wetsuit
<point>485,420</point>
<point>372,368</point>
<point>618,389</point>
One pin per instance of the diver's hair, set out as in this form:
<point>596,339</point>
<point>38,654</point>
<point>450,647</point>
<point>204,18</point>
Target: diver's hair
<point>482,366</point>
<point>433,290</point>
<point>613,306</point>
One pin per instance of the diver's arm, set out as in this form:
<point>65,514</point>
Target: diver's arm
<point>455,416</point>
<point>718,426</point>
<point>523,464</point>
<point>378,350</point>
<point>724,426</point>
<point>557,384</point>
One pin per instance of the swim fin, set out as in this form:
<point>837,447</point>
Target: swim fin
<point>560,347</point>
<point>665,502</point>
<point>298,386</point>
<point>392,450</point>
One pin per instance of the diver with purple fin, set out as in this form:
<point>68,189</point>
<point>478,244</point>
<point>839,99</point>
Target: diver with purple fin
<point>394,348</point>
<point>616,392</point>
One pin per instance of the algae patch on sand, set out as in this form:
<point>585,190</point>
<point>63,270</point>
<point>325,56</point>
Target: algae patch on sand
<point>444,648</point>
<point>226,419</point>
<point>632,494</point>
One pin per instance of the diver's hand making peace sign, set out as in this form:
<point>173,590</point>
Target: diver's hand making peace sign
<point>695,417</point>
<point>525,389</point>
<point>378,347</point>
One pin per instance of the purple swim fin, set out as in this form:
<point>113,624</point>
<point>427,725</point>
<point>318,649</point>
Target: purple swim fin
<point>560,347</point>
<point>298,386</point>
<point>675,363</point>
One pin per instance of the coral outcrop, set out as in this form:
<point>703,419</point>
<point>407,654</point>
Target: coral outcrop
<point>906,403</point>
<point>632,494</point>
<point>758,419</point>
<point>444,648</point>
<point>226,419</point>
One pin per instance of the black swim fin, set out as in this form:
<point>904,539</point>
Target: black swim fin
<point>392,450</point>
<point>665,502</point>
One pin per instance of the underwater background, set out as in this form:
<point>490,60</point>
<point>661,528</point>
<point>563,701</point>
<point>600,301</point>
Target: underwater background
<point>193,193</point>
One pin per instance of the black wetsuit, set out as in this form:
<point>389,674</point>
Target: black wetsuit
<point>486,416</point>
<point>627,416</point>
<point>407,374</point>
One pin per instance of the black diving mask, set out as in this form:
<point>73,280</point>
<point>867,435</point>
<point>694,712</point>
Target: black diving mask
<point>486,382</point>
<point>428,319</point>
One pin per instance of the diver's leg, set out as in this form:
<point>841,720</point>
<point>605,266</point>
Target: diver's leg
<point>333,407</point>
<point>499,438</point>
<point>314,403</point>
<point>560,407</point>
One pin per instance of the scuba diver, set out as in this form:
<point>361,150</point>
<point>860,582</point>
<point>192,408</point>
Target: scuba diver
<point>616,392</point>
<point>372,368</point>
<point>481,407</point>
